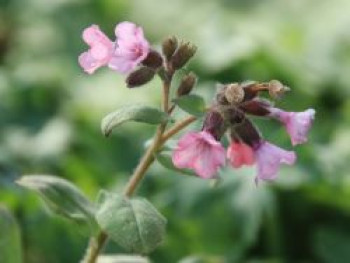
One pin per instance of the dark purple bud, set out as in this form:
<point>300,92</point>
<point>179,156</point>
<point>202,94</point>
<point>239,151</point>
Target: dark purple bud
<point>257,107</point>
<point>214,124</point>
<point>187,84</point>
<point>182,55</point>
<point>247,132</point>
<point>249,91</point>
<point>169,47</point>
<point>153,60</point>
<point>233,115</point>
<point>139,77</point>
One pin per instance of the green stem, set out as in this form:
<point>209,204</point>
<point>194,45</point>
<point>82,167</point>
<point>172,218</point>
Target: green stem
<point>97,243</point>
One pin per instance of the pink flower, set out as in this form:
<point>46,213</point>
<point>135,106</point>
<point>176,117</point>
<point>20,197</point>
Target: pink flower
<point>100,52</point>
<point>240,154</point>
<point>131,48</point>
<point>269,158</point>
<point>201,152</point>
<point>297,124</point>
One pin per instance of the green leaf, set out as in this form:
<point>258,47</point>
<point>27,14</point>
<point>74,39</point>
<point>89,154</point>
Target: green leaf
<point>165,160</point>
<point>61,196</point>
<point>193,104</point>
<point>331,244</point>
<point>138,113</point>
<point>10,240</point>
<point>134,224</point>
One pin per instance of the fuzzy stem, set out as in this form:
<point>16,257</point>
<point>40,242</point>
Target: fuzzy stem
<point>95,246</point>
<point>96,243</point>
<point>177,127</point>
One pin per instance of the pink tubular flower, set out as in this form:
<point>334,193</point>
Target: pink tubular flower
<point>297,124</point>
<point>240,154</point>
<point>131,48</point>
<point>100,52</point>
<point>269,158</point>
<point>201,152</point>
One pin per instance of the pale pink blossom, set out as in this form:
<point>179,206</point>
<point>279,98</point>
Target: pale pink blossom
<point>201,152</point>
<point>100,52</point>
<point>239,154</point>
<point>131,48</point>
<point>297,124</point>
<point>124,55</point>
<point>269,157</point>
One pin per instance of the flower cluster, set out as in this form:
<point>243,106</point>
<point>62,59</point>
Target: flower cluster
<point>123,55</point>
<point>203,152</point>
<point>131,54</point>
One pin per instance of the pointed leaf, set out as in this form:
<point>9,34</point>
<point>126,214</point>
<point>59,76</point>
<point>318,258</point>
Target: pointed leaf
<point>134,224</point>
<point>193,104</point>
<point>10,240</point>
<point>61,196</point>
<point>138,113</point>
<point>165,160</point>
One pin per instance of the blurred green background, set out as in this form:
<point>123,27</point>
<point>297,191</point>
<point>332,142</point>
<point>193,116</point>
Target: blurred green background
<point>50,113</point>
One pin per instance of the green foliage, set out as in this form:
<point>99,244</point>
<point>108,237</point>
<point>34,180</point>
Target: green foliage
<point>10,240</point>
<point>138,113</point>
<point>193,104</point>
<point>50,113</point>
<point>62,197</point>
<point>134,224</point>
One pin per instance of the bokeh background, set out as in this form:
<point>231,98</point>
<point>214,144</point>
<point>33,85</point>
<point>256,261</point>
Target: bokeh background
<point>50,114</point>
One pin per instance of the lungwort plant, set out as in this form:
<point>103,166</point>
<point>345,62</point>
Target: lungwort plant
<point>133,222</point>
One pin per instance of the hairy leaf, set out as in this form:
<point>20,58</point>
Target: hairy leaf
<point>138,113</point>
<point>61,196</point>
<point>193,104</point>
<point>134,224</point>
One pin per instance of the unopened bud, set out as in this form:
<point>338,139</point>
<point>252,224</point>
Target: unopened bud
<point>187,84</point>
<point>233,115</point>
<point>257,107</point>
<point>277,89</point>
<point>169,47</point>
<point>214,124</point>
<point>182,55</point>
<point>140,77</point>
<point>153,60</point>
<point>234,93</point>
<point>249,91</point>
<point>247,132</point>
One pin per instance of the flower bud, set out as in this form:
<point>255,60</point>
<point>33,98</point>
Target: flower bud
<point>257,107</point>
<point>187,84</point>
<point>277,89</point>
<point>234,93</point>
<point>169,47</point>
<point>153,60</point>
<point>247,132</point>
<point>249,91</point>
<point>182,55</point>
<point>214,124</point>
<point>233,115</point>
<point>140,77</point>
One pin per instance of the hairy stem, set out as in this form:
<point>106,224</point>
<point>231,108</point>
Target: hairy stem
<point>176,128</point>
<point>96,243</point>
<point>95,246</point>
